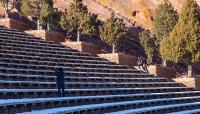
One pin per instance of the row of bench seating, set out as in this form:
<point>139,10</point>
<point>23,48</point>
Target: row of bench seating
<point>118,103</point>
<point>43,93</point>
<point>83,85</point>
<point>138,104</point>
<point>19,77</point>
<point>68,73</point>
<point>93,85</point>
<point>81,69</point>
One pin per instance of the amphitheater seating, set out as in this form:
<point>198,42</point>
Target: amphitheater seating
<point>93,85</point>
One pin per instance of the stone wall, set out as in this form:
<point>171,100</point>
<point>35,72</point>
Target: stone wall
<point>120,58</point>
<point>159,70</point>
<point>197,83</point>
<point>47,35</point>
<point>189,82</point>
<point>14,24</point>
<point>83,47</point>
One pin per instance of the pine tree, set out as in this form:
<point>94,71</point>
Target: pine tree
<point>79,20</point>
<point>183,44</point>
<point>41,9</point>
<point>63,21</point>
<point>54,19</point>
<point>148,43</point>
<point>165,19</point>
<point>113,32</point>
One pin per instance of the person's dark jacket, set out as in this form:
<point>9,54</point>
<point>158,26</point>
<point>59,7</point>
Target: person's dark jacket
<point>60,78</point>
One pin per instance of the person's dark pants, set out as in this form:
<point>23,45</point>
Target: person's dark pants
<point>144,66</point>
<point>61,91</point>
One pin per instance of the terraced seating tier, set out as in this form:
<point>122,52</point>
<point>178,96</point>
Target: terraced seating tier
<point>92,85</point>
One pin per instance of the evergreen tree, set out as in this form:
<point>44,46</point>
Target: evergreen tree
<point>63,21</point>
<point>183,44</point>
<point>54,19</point>
<point>41,9</point>
<point>165,19</point>
<point>148,43</point>
<point>113,32</point>
<point>79,20</point>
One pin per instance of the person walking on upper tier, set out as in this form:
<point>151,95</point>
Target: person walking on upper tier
<point>60,81</point>
<point>142,62</point>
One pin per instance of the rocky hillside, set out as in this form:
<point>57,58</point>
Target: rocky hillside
<point>139,12</point>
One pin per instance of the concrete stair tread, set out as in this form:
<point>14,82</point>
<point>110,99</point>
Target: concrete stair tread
<point>75,72</point>
<point>102,105</point>
<point>84,77</point>
<point>65,67</point>
<point>192,111</point>
<point>40,82</point>
<point>154,108</point>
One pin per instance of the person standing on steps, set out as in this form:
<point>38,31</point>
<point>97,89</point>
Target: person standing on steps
<point>60,81</point>
<point>144,64</point>
<point>140,62</point>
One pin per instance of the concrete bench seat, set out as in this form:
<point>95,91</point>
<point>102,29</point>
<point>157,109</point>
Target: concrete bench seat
<point>50,85</point>
<point>8,29</point>
<point>26,37</point>
<point>12,31</point>
<point>12,58</point>
<point>33,40</point>
<point>17,47</point>
<point>50,55</point>
<point>107,107</point>
<point>10,34</point>
<point>192,108</point>
<point>192,111</point>
<point>44,93</point>
<point>77,73</point>
<point>38,59</point>
<point>36,45</point>
<point>42,57</point>
<point>47,67</point>
<point>89,92</point>
<point>18,77</point>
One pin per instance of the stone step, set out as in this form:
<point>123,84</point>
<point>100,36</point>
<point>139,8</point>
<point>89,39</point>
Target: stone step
<point>33,40</point>
<point>12,58</point>
<point>9,84</point>
<point>38,59</point>
<point>45,93</point>
<point>81,69</point>
<point>27,37</point>
<point>192,111</point>
<point>19,47</point>
<point>19,77</point>
<point>70,73</point>
<point>189,108</point>
<point>35,44</point>
<point>7,29</point>
<point>68,106</point>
